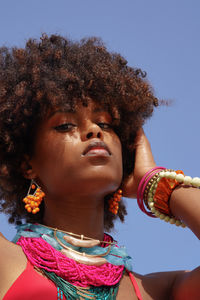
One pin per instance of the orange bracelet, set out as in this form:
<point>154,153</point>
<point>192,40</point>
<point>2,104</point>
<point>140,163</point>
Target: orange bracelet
<point>163,192</point>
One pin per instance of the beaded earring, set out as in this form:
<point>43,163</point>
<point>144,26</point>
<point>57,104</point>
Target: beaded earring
<point>114,202</point>
<point>34,197</point>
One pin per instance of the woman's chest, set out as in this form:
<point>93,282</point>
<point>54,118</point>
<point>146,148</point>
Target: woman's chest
<point>127,290</point>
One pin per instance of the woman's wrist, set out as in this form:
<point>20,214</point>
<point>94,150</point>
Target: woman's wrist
<point>185,205</point>
<point>172,197</point>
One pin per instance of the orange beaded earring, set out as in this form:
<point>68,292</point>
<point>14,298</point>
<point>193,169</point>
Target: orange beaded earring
<point>34,197</point>
<point>114,202</point>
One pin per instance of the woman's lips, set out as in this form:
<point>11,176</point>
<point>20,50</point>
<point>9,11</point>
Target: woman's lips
<point>97,148</point>
<point>97,152</point>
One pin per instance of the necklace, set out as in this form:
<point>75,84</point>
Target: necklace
<point>44,248</point>
<point>80,236</point>
<point>82,257</point>
<point>116,255</point>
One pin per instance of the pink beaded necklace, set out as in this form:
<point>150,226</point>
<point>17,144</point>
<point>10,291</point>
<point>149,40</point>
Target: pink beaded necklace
<point>44,256</point>
<point>75,280</point>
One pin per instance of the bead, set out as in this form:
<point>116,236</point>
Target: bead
<point>180,177</point>
<point>167,218</point>
<point>178,223</point>
<point>32,204</point>
<point>172,221</point>
<point>151,189</point>
<point>172,175</point>
<point>167,174</point>
<point>195,182</point>
<point>155,186</point>
<point>162,174</point>
<point>187,180</point>
<point>158,179</point>
<point>151,204</point>
<point>162,216</point>
<point>150,199</point>
<point>29,209</point>
<point>153,210</point>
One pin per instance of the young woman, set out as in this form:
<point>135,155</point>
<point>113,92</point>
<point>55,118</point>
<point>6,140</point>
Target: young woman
<point>71,144</point>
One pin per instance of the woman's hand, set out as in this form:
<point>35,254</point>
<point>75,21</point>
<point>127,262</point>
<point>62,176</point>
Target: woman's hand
<point>144,161</point>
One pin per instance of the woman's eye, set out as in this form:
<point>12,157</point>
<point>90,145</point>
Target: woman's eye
<point>105,125</point>
<point>64,127</point>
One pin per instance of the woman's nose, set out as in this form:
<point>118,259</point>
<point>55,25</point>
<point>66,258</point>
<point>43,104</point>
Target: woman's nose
<point>92,131</point>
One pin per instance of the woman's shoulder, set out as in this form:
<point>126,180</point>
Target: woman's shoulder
<point>10,252</point>
<point>158,285</point>
<point>12,263</point>
<point>6,246</point>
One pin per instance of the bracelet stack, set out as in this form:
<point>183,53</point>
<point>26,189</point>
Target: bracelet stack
<point>155,189</point>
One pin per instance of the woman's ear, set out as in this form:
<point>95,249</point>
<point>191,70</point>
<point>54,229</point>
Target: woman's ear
<point>27,168</point>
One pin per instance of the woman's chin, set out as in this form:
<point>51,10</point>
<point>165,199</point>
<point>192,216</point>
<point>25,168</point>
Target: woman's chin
<point>103,183</point>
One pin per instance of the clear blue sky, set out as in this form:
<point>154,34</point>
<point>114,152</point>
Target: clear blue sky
<point>162,38</point>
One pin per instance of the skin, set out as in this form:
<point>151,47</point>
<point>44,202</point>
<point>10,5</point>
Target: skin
<point>59,165</point>
<point>75,185</point>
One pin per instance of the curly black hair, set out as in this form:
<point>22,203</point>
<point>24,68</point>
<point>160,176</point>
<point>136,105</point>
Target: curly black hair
<point>55,71</point>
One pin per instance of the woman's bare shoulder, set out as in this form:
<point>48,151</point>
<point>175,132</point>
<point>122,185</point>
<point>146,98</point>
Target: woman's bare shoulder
<point>12,263</point>
<point>159,285</point>
<point>9,252</point>
<point>4,242</point>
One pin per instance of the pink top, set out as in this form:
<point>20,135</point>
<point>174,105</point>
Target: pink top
<point>31,285</point>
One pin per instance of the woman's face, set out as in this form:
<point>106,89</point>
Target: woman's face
<point>77,152</point>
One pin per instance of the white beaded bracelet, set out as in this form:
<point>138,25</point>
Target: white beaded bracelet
<point>150,201</point>
<point>187,180</point>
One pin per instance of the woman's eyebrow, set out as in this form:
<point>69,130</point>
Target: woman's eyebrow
<point>99,109</point>
<point>70,110</point>
<point>61,110</point>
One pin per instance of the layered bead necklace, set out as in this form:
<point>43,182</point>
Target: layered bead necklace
<point>81,268</point>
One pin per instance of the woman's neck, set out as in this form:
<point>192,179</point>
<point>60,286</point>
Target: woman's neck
<point>78,215</point>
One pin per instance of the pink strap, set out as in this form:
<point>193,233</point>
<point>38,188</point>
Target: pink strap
<point>135,285</point>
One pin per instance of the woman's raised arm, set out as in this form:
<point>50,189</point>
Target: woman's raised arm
<point>184,201</point>
<point>184,204</point>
